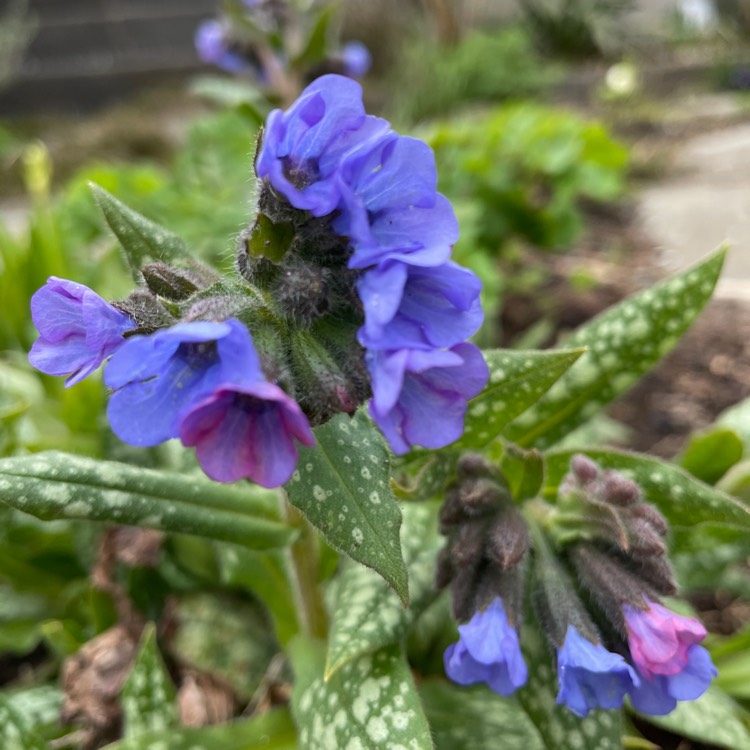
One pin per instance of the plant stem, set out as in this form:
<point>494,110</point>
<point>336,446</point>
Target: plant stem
<point>303,569</point>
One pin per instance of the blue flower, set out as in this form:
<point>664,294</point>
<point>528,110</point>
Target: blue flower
<point>658,694</point>
<point>390,205</point>
<point>356,58</point>
<point>487,651</point>
<point>420,396</point>
<point>247,432</point>
<point>157,379</point>
<point>418,308</point>
<point>211,46</point>
<point>78,329</point>
<point>303,148</point>
<point>590,676</point>
<point>665,650</point>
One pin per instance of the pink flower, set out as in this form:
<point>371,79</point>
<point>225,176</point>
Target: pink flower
<point>247,431</point>
<point>659,639</point>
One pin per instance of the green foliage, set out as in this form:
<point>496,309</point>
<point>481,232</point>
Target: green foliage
<point>518,379</point>
<point>482,67</point>
<point>485,718</point>
<point>577,28</point>
<point>623,343</point>
<point>142,241</point>
<point>148,695</point>
<point>57,485</point>
<point>520,171</point>
<point>708,456</point>
<point>270,731</point>
<point>713,719</point>
<point>367,614</point>
<point>371,703</point>
<point>341,486</point>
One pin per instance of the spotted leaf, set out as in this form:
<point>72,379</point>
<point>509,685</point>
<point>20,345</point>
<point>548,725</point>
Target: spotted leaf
<point>342,487</point>
<point>473,718</point>
<point>367,614</point>
<point>622,344</point>
<point>54,485</point>
<point>371,703</point>
<point>518,379</point>
<point>148,695</point>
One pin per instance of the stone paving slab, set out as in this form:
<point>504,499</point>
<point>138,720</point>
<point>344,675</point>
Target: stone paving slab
<point>703,203</point>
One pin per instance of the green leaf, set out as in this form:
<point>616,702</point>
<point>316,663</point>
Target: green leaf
<point>316,47</point>
<point>342,488</point>
<point>473,718</point>
<point>272,731</point>
<point>714,719</point>
<point>560,728</point>
<point>226,637</point>
<point>517,381</point>
<point>59,485</point>
<point>623,343</point>
<point>369,704</point>
<point>266,575</point>
<point>39,705</point>
<point>709,455</point>
<point>16,731</point>
<point>148,695</point>
<point>367,614</point>
<point>141,239</point>
<point>523,470</point>
<point>686,502</point>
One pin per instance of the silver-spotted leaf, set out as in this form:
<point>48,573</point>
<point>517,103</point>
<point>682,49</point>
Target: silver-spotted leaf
<point>342,487</point>
<point>54,485</point>
<point>518,379</point>
<point>371,703</point>
<point>474,718</point>
<point>622,343</point>
<point>148,695</point>
<point>714,719</point>
<point>367,613</point>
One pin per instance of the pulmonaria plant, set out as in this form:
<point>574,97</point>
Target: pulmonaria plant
<point>602,544</point>
<point>342,297</point>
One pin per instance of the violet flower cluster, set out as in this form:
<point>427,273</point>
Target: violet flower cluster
<point>639,648</point>
<point>360,300</point>
<point>326,156</point>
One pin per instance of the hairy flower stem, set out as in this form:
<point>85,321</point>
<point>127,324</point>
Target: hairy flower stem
<point>303,573</point>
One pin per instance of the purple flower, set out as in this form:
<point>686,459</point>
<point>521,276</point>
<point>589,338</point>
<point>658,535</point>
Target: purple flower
<point>410,307</point>
<point>211,46</point>
<point>665,651</point>
<point>590,676</point>
<point>420,397</point>
<point>487,651</point>
<point>356,58</point>
<point>247,431</point>
<point>303,147</point>
<point>159,378</point>
<point>78,330</point>
<point>391,209</point>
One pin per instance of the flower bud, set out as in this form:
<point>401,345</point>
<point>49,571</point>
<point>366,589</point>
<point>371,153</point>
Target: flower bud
<point>508,538</point>
<point>177,284</point>
<point>145,309</point>
<point>302,291</point>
